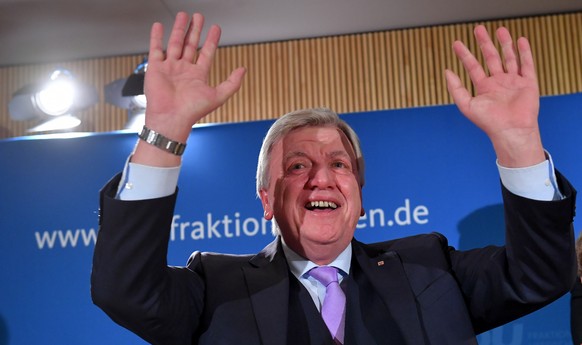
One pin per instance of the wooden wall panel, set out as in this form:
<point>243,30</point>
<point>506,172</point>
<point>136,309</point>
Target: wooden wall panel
<point>349,73</point>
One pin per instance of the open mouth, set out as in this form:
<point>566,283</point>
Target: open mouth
<point>321,205</point>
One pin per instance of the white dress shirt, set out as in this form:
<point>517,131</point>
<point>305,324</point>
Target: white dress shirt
<point>300,267</point>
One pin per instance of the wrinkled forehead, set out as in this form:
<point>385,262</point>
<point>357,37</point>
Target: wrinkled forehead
<point>330,137</point>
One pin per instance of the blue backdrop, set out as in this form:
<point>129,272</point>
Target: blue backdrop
<point>428,169</point>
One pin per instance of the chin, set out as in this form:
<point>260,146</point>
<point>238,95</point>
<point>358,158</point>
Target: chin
<point>325,236</point>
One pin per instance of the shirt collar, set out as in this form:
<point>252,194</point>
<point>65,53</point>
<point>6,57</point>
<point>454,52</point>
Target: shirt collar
<point>298,265</point>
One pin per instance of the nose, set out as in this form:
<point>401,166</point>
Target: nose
<point>321,177</point>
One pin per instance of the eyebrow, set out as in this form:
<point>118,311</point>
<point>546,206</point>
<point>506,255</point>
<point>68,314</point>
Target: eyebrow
<point>294,154</point>
<point>340,153</point>
<point>333,154</point>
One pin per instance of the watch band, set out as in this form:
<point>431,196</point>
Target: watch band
<point>158,140</point>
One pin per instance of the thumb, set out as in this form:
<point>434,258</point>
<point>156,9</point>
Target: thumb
<point>231,85</point>
<point>460,94</point>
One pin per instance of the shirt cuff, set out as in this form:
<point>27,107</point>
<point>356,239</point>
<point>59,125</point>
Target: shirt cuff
<point>537,182</point>
<point>140,182</point>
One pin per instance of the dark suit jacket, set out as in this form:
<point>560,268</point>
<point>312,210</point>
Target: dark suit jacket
<point>433,293</point>
<point>576,312</point>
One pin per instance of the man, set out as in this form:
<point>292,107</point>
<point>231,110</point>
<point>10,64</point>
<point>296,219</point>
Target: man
<point>576,298</point>
<point>414,290</point>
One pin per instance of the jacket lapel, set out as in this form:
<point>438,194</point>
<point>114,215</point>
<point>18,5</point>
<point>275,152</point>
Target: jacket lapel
<point>386,273</point>
<point>267,280</point>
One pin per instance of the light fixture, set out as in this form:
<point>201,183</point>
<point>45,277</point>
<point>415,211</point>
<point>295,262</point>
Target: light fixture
<point>53,102</point>
<point>128,93</point>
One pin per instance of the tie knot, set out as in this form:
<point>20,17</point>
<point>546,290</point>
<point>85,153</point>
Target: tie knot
<point>324,274</point>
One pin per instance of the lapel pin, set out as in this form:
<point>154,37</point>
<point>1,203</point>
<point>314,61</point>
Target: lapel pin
<point>381,263</point>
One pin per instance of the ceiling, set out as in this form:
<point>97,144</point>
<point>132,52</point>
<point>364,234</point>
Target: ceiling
<point>42,31</point>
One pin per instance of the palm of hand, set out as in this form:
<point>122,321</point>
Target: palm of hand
<point>180,85</point>
<point>504,103</point>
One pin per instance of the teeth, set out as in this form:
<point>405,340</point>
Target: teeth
<point>323,204</point>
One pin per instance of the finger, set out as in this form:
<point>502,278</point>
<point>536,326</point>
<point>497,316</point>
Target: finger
<point>490,53</point>
<point>472,66</point>
<point>156,52</point>
<point>528,69</point>
<point>508,49</point>
<point>206,54</point>
<point>176,41</point>
<point>460,94</point>
<point>192,38</point>
<point>231,85</point>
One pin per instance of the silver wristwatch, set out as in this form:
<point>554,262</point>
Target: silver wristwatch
<point>161,142</point>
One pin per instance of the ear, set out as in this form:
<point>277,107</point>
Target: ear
<point>362,211</point>
<point>267,207</point>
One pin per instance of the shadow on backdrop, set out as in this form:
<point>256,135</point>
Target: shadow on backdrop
<point>483,227</point>
<point>486,226</point>
<point>3,331</point>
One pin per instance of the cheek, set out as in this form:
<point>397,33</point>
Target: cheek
<point>291,186</point>
<point>351,189</point>
<point>283,196</point>
<point>355,202</point>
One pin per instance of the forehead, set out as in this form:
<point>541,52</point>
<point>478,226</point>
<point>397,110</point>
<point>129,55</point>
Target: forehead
<point>307,137</point>
<point>304,140</point>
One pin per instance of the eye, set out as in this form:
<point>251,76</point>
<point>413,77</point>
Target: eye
<point>340,165</point>
<point>297,166</point>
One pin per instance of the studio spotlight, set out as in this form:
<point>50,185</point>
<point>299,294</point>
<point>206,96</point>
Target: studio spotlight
<point>52,102</point>
<point>127,93</point>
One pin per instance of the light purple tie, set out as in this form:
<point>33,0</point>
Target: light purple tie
<point>334,303</point>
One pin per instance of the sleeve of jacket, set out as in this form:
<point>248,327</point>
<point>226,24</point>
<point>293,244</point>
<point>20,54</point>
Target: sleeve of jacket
<point>536,266</point>
<point>130,279</point>
<point>576,312</point>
